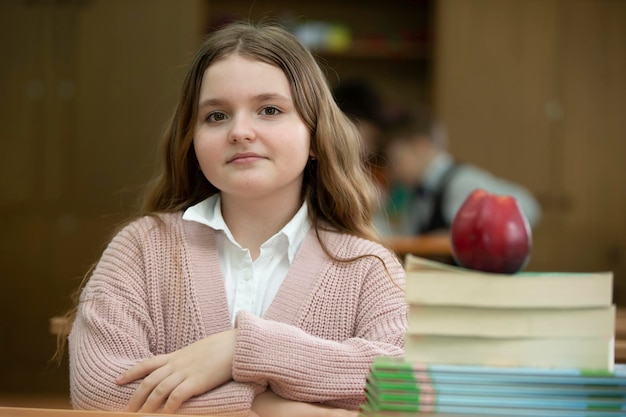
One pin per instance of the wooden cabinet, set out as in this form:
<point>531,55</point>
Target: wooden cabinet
<point>535,91</point>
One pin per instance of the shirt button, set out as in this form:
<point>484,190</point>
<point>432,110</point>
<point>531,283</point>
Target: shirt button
<point>246,274</point>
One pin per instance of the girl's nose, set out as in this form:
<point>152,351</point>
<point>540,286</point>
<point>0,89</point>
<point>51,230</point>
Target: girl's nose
<point>242,129</point>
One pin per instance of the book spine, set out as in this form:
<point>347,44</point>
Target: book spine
<point>512,352</point>
<point>429,401</point>
<point>500,389</point>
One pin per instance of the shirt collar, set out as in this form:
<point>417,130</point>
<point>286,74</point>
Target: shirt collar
<point>209,213</point>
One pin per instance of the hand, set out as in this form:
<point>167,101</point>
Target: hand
<point>174,378</point>
<point>269,404</point>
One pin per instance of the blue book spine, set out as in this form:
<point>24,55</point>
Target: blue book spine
<point>543,390</point>
<point>397,368</point>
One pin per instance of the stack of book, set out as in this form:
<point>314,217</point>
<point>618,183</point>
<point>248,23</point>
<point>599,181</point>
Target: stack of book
<point>528,344</point>
<point>399,388</point>
<point>529,319</point>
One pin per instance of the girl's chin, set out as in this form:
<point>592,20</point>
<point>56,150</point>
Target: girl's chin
<point>246,190</point>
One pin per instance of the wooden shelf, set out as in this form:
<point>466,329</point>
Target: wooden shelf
<point>402,52</point>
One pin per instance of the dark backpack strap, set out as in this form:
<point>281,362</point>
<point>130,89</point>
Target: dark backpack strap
<point>437,220</point>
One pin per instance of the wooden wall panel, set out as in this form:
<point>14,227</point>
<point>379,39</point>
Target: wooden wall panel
<point>129,75</point>
<point>87,88</point>
<point>493,78</point>
<point>22,86</point>
<point>593,86</point>
<point>594,126</point>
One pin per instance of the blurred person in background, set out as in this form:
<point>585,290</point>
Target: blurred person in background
<point>428,186</point>
<point>363,104</point>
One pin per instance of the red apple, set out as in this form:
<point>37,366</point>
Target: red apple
<point>491,233</point>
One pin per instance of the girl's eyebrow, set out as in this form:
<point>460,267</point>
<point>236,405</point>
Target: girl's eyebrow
<point>271,96</point>
<point>211,102</point>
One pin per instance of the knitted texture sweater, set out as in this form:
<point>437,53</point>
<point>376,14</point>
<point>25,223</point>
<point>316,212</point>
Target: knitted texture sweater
<point>159,287</point>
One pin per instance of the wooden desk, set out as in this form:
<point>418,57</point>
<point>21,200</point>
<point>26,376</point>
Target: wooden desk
<point>49,412</point>
<point>426,245</point>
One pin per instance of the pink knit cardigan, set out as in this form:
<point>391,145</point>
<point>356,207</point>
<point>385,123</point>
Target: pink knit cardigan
<point>159,287</point>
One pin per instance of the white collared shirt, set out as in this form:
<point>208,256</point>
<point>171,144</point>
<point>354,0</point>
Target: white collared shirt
<point>251,285</point>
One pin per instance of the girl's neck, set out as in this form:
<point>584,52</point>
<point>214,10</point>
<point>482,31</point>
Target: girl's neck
<point>252,222</point>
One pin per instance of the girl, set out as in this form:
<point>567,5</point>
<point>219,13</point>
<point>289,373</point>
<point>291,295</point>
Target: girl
<point>254,281</point>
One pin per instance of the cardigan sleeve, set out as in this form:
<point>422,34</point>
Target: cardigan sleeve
<point>102,346</point>
<point>303,367</point>
<point>114,330</point>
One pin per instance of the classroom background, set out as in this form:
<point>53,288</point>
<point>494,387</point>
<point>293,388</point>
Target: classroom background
<point>532,90</point>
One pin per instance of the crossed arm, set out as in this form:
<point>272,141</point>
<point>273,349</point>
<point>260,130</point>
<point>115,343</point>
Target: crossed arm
<point>169,380</point>
<point>183,380</point>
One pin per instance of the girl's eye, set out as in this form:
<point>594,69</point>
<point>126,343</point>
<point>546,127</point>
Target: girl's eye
<point>216,117</point>
<point>270,111</point>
